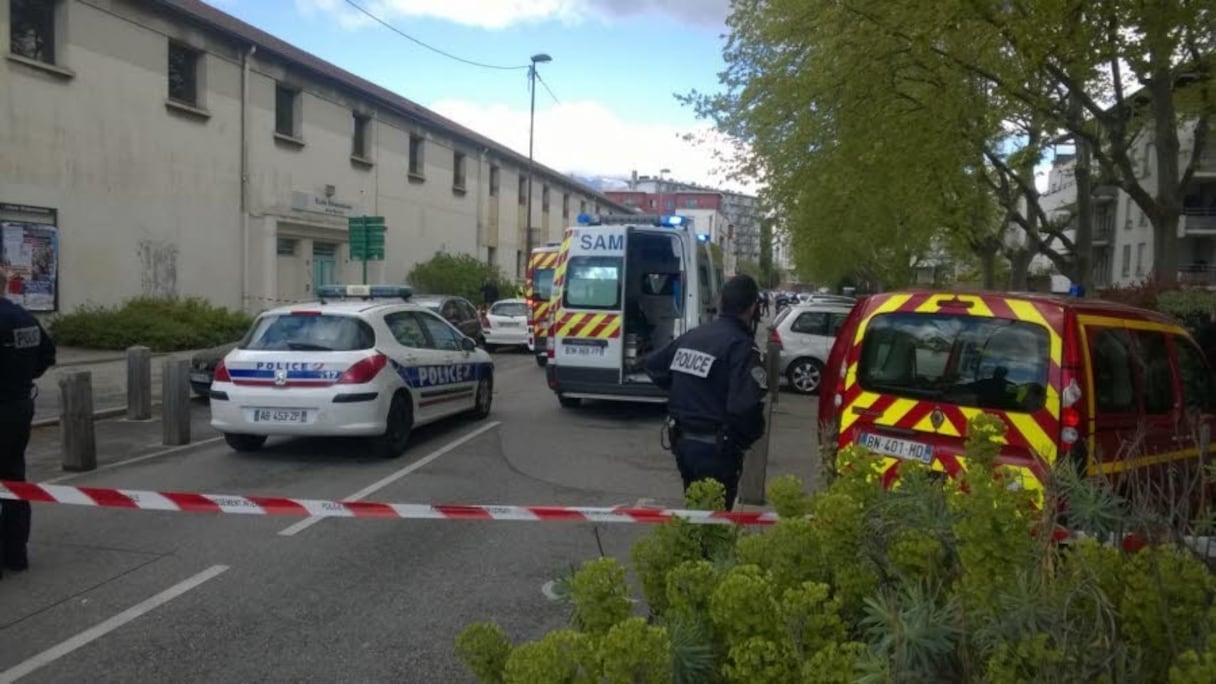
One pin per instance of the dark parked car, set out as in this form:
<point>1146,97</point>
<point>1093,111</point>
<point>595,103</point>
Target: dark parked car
<point>458,311</point>
<point>202,367</point>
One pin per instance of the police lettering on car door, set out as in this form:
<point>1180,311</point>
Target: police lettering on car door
<point>438,376</point>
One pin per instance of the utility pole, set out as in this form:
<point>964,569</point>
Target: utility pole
<point>536,59</point>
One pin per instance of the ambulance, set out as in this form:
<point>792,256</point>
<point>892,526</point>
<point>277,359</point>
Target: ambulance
<point>542,264</point>
<point>625,286</point>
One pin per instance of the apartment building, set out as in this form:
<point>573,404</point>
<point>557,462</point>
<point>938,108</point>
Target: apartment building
<point>704,207</point>
<point>163,147</point>
<point>740,210</point>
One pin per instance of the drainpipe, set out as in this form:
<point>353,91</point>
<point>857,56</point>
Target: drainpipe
<point>481,229</point>
<point>245,177</point>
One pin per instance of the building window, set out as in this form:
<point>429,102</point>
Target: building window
<point>582,206</point>
<point>184,63</point>
<point>1140,259</point>
<point>358,144</point>
<point>566,205</point>
<point>493,181</point>
<point>544,198</point>
<point>32,29</point>
<point>1127,261</point>
<point>287,246</point>
<point>286,108</point>
<point>416,155</point>
<point>523,189</point>
<point>1150,151</point>
<point>653,204</point>
<point>492,256</point>
<point>458,164</point>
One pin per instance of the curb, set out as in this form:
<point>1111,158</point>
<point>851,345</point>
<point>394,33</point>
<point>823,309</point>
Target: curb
<point>102,414</point>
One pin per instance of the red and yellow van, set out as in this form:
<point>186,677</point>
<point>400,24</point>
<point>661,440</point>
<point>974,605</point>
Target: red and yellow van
<point>1112,388</point>
<point>538,289</point>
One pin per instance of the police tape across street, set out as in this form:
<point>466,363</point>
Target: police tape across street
<point>184,502</point>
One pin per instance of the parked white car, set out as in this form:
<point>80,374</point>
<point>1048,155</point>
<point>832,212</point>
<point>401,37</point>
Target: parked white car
<point>506,323</point>
<point>805,333</point>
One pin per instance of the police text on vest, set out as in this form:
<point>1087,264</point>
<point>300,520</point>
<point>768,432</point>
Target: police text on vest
<point>692,362</point>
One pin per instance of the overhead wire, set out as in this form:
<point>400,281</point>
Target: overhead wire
<point>547,89</point>
<point>432,48</point>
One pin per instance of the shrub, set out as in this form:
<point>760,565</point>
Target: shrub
<point>1191,306</point>
<point>163,325</point>
<point>461,275</point>
<point>1143,294</point>
<point>923,582</point>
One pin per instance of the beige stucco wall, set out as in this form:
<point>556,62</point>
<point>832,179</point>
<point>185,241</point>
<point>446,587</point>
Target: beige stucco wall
<point>148,195</point>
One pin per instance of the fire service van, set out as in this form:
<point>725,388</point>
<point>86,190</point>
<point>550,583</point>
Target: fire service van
<point>624,287</point>
<point>542,264</point>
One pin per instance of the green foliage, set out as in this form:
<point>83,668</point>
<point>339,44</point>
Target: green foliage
<point>461,275</point>
<point>163,325</point>
<point>922,582</point>
<point>1193,307</point>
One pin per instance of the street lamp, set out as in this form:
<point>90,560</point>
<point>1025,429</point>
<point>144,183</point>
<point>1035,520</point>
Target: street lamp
<point>538,58</point>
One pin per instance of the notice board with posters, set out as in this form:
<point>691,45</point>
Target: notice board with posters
<point>29,251</point>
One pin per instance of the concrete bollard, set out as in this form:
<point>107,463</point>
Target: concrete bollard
<point>175,402</point>
<point>76,421</point>
<point>139,383</point>
<point>754,479</point>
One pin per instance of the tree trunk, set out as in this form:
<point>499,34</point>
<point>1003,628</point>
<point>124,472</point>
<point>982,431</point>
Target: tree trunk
<point>987,257</point>
<point>1019,269</point>
<point>1168,187</point>
<point>1083,241</point>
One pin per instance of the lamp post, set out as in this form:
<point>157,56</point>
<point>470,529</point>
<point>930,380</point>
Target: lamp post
<point>536,59</point>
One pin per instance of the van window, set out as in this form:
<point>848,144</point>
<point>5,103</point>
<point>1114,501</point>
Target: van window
<point>1114,388</point>
<point>542,283</point>
<point>970,361</point>
<point>593,282</point>
<point>1157,378</point>
<point>1198,388</point>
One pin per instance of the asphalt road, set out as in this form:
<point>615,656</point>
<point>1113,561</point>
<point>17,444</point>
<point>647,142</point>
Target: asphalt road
<point>126,596</point>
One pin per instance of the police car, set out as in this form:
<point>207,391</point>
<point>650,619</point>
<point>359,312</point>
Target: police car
<point>361,362</point>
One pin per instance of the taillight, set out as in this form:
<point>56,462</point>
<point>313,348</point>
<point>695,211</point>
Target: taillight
<point>774,337</point>
<point>1070,412</point>
<point>838,399</point>
<point>221,373</point>
<point>364,371</point>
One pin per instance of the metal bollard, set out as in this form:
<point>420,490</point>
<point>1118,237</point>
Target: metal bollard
<point>139,383</point>
<point>76,421</point>
<point>754,479</point>
<point>175,402</point>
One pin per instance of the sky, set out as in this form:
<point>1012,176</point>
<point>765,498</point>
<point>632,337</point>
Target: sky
<point>610,107</point>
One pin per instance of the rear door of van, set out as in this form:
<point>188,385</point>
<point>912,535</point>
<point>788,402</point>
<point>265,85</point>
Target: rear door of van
<point>591,298</point>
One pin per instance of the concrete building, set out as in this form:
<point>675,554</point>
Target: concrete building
<point>1122,234</point>
<point>703,206</point>
<point>162,147</point>
<point>742,211</point>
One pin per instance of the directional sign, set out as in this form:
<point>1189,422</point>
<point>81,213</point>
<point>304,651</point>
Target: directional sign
<point>366,237</point>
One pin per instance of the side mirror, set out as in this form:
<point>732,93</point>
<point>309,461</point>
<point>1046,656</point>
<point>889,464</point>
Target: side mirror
<point>468,344</point>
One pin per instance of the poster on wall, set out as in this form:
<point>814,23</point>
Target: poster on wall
<point>30,253</point>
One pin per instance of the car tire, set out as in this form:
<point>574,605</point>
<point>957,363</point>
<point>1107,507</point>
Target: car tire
<point>398,425</point>
<point>542,360</point>
<point>483,399</point>
<point>569,402</point>
<point>805,376</point>
<point>245,443</point>
<point>201,390</point>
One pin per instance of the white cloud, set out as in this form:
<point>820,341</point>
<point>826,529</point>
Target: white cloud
<point>587,139</point>
<point>500,14</point>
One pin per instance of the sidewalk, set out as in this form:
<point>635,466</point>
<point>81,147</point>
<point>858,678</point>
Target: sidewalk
<point>109,377</point>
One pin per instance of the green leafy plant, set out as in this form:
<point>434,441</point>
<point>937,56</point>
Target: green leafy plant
<point>163,325</point>
<point>461,275</point>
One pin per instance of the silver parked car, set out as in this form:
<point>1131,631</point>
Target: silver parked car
<point>805,333</point>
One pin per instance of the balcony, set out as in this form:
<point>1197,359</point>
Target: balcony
<point>1197,221</point>
<point>1199,275</point>
<point>1103,233</point>
<point>1207,160</point>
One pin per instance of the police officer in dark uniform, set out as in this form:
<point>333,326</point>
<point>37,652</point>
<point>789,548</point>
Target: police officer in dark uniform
<point>716,384</point>
<point>26,352</point>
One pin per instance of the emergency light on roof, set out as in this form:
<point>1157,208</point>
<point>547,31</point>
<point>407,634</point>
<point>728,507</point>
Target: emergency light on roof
<point>702,237</point>
<point>364,292</point>
<point>664,220</point>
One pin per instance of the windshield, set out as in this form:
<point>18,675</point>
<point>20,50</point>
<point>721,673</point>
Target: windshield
<point>593,282</point>
<point>510,309</point>
<point>983,362</point>
<point>542,283</point>
<point>296,332</point>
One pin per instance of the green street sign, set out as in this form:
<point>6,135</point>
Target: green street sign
<point>366,237</point>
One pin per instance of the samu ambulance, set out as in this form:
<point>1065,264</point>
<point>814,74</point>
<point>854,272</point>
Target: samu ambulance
<point>542,264</point>
<point>625,286</point>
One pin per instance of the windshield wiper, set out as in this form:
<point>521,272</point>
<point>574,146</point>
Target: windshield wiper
<point>308,346</point>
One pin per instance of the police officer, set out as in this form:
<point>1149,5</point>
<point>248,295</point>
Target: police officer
<point>26,352</point>
<point>716,386</point>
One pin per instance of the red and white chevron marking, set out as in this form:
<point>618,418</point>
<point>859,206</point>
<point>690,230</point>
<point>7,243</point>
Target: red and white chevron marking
<point>320,508</point>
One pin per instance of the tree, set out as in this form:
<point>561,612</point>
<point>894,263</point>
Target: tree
<point>461,275</point>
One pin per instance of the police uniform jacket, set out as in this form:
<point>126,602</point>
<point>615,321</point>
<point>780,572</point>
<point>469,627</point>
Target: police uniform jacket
<point>26,352</point>
<point>715,381</point>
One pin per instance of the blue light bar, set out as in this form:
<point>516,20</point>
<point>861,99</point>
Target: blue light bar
<point>703,237</point>
<point>672,221</point>
<point>587,219</point>
<point>364,292</point>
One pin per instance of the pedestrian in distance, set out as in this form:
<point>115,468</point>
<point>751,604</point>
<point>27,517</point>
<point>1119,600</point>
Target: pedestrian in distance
<point>489,292</point>
<point>716,383</point>
<point>26,352</point>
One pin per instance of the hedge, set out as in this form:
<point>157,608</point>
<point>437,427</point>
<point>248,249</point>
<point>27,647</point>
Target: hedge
<point>920,583</point>
<point>461,275</point>
<point>162,324</point>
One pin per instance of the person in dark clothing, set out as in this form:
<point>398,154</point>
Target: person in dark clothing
<point>489,292</point>
<point>716,385</point>
<point>26,352</point>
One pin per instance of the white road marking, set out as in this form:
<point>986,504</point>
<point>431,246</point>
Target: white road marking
<point>132,461</point>
<point>382,483</point>
<point>103,628</point>
<point>549,589</point>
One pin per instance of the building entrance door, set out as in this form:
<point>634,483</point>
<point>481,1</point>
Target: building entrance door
<point>324,264</point>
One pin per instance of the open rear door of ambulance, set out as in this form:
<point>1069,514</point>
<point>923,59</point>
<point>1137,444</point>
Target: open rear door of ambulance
<point>588,328</point>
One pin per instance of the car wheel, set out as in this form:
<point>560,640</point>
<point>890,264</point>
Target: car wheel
<point>245,442</point>
<point>484,398</point>
<point>805,375</point>
<point>542,360</point>
<point>569,402</point>
<point>398,424</point>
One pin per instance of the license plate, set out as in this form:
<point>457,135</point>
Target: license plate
<point>899,448</point>
<point>200,377</point>
<point>583,351</point>
<point>280,416</point>
<point>509,324</point>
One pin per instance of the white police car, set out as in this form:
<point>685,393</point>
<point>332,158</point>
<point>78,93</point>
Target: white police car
<point>362,361</point>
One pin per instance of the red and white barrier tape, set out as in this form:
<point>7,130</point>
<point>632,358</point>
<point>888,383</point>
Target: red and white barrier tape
<point>320,508</point>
